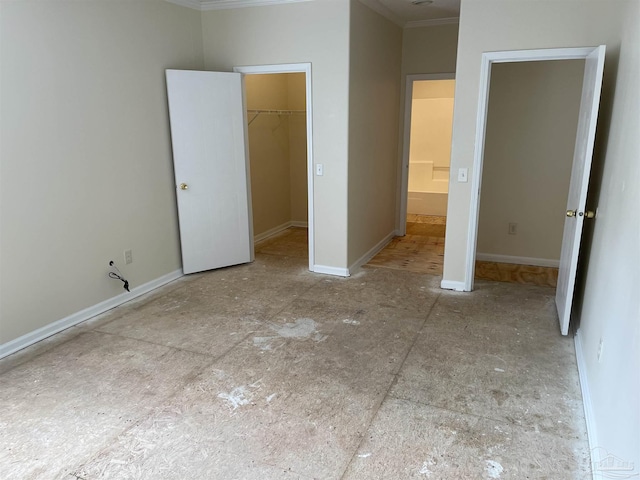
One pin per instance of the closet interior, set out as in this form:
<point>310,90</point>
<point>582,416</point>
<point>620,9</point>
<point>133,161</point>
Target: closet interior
<point>277,136</point>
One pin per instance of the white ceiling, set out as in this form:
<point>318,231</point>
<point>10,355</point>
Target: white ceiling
<point>402,12</point>
<point>406,14</point>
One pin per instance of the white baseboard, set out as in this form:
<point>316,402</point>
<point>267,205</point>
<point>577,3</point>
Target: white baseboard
<point>372,252</point>
<point>79,317</point>
<point>276,230</point>
<point>538,262</point>
<point>452,285</point>
<point>340,272</point>
<point>271,232</point>
<point>586,401</point>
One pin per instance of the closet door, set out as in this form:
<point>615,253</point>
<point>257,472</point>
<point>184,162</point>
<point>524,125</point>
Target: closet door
<point>207,115</point>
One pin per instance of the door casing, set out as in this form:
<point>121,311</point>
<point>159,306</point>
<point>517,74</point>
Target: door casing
<point>489,58</point>
<point>306,69</point>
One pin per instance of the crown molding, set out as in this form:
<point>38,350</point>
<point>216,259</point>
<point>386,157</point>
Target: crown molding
<point>380,8</point>
<point>195,4</point>
<point>433,22</point>
<point>227,4</point>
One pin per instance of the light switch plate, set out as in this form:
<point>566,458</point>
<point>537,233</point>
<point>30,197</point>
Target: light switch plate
<point>463,175</point>
<point>319,169</point>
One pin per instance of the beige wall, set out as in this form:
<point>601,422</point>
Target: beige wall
<point>429,49</point>
<point>277,150</point>
<point>609,301</point>
<point>316,32</point>
<point>531,130</point>
<point>374,99</point>
<point>86,166</point>
<point>494,25</point>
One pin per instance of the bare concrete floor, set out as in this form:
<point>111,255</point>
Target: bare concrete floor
<point>267,371</point>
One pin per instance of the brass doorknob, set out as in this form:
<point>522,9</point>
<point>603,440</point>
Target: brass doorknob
<point>571,213</point>
<point>589,214</point>
<point>184,186</point>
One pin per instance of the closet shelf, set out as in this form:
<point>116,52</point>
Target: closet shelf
<point>278,112</point>
<point>257,112</point>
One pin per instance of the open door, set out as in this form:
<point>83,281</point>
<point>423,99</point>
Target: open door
<point>581,170</point>
<point>206,111</point>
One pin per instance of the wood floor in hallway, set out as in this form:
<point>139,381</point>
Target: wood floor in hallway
<point>421,250</point>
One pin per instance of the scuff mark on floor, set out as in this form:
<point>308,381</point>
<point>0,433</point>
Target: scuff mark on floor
<point>263,343</point>
<point>301,328</point>
<point>240,396</point>
<point>236,398</point>
<point>425,468</point>
<point>350,321</point>
<point>493,468</point>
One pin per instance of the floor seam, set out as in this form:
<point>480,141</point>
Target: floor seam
<point>393,382</point>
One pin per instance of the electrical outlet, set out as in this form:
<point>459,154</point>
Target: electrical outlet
<point>513,228</point>
<point>128,257</point>
<point>600,345</point>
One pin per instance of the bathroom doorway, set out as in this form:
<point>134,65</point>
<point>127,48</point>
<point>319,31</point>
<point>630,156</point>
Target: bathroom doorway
<point>425,167</point>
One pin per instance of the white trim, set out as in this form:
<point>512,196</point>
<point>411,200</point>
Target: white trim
<point>403,178</point>
<point>538,262</point>
<point>306,69</point>
<point>271,232</point>
<point>206,5</point>
<point>451,285</point>
<point>372,252</point>
<point>276,230</point>
<point>194,4</point>
<point>340,272</point>
<point>434,22</point>
<point>227,4</point>
<point>488,58</point>
<point>539,55</point>
<point>592,434</point>
<point>79,317</point>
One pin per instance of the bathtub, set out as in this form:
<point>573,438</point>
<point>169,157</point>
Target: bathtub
<point>428,189</point>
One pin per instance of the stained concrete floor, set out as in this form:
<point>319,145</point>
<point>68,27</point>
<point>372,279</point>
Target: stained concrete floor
<point>267,371</point>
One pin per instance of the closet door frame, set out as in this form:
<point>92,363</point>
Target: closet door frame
<point>306,69</point>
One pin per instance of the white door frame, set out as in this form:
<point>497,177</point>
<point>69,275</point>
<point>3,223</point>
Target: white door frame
<point>306,69</point>
<point>488,59</point>
<point>406,141</point>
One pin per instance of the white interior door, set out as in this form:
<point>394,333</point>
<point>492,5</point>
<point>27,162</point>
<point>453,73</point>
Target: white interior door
<point>594,66</point>
<point>208,134</point>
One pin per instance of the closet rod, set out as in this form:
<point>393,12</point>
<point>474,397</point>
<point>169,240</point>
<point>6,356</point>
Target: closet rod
<point>277,112</point>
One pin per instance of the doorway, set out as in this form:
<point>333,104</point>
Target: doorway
<point>278,117</point>
<point>575,212</point>
<point>532,120</point>
<point>426,150</point>
<point>426,146</point>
